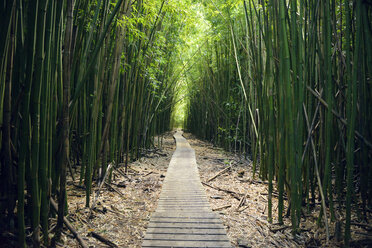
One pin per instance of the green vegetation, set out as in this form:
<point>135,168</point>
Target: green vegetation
<point>85,83</point>
<point>288,83</point>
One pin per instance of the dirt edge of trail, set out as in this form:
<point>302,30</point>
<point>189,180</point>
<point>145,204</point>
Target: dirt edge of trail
<point>244,209</point>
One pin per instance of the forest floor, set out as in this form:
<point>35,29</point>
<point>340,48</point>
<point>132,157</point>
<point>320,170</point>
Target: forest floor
<point>124,207</point>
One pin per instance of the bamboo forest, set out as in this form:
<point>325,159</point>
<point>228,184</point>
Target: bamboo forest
<point>273,95</point>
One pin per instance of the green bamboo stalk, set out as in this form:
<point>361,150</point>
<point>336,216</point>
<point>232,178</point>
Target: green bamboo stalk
<point>269,82</point>
<point>7,177</point>
<point>351,113</point>
<point>25,128</point>
<point>96,51</point>
<point>329,96</point>
<point>44,124</point>
<point>318,176</point>
<point>65,139</point>
<point>287,92</point>
<point>113,86</point>
<point>35,120</point>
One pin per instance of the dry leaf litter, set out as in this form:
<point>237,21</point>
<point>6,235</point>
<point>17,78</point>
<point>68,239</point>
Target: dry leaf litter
<point>124,207</point>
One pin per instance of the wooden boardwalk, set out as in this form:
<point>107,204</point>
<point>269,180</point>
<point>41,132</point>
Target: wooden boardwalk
<point>183,217</point>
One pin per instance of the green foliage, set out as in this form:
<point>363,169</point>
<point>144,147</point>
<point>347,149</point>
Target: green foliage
<point>284,82</point>
<point>123,57</point>
<point>265,67</point>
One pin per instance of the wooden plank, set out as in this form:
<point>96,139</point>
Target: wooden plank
<point>188,231</point>
<point>204,220</point>
<point>183,196</point>
<point>186,237</point>
<point>178,196</point>
<point>183,205</point>
<point>196,225</point>
<point>185,244</point>
<point>185,217</point>
<point>182,200</point>
<point>190,210</point>
<point>185,211</point>
<point>175,214</point>
<point>186,221</point>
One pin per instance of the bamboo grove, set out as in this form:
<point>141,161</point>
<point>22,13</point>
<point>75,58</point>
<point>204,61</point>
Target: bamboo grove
<point>82,83</point>
<point>289,82</point>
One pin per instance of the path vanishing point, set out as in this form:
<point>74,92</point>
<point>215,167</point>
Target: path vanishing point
<point>183,217</point>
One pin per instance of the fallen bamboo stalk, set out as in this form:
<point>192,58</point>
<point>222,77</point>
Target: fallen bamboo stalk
<point>234,194</point>
<point>343,121</point>
<point>259,182</point>
<point>219,173</point>
<point>274,230</point>
<point>100,186</point>
<point>103,239</point>
<point>69,226</point>
<point>148,174</point>
<point>116,211</point>
<point>242,209</point>
<point>317,174</point>
<point>275,194</point>
<point>117,191</point>
<point>132,169</point>
<point>312,128</point>
<point>242,201</point>
<point>222,207</point>
<point>120,172</point>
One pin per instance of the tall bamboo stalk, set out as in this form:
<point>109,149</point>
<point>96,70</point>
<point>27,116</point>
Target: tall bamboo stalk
<point>65,140</point>
<point>293,52</point>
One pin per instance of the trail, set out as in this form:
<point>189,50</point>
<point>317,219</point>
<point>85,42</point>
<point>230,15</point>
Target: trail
<point>183,217</point>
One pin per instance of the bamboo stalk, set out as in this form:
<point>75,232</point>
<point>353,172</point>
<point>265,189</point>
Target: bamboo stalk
<point>69,226</point>
<point>318,175</point>
<point>65,117</point>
